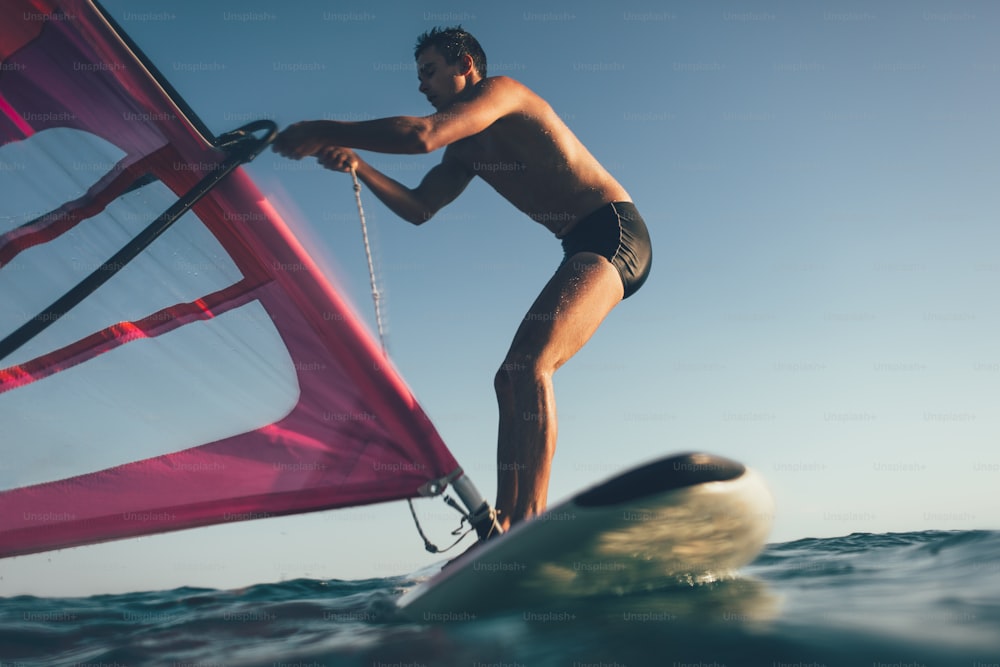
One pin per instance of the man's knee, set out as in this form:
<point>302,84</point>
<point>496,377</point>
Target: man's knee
<point>518,371</point>
<point>501,382</point>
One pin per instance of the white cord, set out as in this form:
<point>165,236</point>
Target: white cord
<point>376,295</point>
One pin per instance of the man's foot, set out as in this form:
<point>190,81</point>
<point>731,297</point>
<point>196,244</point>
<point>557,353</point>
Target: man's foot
<point>485,521</point>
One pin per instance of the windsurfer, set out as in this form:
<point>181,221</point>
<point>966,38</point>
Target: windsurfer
<point>498,129</point>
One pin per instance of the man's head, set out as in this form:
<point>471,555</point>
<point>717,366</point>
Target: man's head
<point>453,44</point>
<point>450,62</point>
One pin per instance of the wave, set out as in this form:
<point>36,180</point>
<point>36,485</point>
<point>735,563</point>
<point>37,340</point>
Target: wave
<point>929,598</point>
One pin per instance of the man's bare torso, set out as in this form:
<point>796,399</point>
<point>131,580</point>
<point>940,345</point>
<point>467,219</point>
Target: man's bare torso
<point>534,161</point>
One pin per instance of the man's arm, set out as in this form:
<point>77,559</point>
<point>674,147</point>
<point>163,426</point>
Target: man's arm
<point>416,205</point>
<point>494,98</point>
<point>398,134</point>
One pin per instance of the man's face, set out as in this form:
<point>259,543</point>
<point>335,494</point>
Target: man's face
<point>440,82</point>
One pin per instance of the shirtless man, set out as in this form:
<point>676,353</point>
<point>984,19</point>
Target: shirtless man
<point>547,174</point>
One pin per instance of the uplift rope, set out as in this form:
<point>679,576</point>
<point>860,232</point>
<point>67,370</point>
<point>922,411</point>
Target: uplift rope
<point>376,295</point>
<point>377,298</point>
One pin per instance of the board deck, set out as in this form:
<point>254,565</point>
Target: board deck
<point>684,518</point>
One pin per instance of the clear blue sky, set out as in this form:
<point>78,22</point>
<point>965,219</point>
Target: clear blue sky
<point>820,180</point>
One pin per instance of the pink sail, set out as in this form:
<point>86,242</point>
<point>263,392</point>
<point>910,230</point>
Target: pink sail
<point>219,377</point>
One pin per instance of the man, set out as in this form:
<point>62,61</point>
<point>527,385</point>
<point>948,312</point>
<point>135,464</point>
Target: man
<point>501,131</point>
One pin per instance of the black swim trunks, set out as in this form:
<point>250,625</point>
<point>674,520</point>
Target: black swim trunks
<point>615,231</point>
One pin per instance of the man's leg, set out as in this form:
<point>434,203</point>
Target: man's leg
<point>564,317</point>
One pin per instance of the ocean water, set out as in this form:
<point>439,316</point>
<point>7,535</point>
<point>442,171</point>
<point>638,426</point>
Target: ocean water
<point>901,600</point>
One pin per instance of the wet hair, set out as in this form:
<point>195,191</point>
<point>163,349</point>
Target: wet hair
<point>453,43</point>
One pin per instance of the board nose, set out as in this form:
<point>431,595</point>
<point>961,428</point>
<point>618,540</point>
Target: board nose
<point>667,474</point>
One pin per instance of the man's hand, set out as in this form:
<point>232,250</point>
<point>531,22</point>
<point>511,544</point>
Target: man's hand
<point>300,140</point>
<point>336,158</point>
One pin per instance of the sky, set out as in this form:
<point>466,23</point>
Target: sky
<point>820,183</point>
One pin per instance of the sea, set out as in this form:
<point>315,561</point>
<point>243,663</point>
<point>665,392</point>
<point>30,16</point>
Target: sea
<point>870,600</point>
